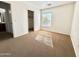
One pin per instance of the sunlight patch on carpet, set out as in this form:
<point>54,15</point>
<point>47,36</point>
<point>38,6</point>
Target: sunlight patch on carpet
<point>45,39</point>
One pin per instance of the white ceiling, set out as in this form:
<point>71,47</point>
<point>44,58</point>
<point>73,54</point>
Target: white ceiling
<point>44,4</point>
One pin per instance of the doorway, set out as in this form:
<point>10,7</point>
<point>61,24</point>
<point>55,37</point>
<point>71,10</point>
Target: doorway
<point>5,20</point>
<point>30,20</point>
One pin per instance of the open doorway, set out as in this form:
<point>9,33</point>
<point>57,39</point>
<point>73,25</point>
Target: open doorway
<point>30,20</point>
<point>5,21</point>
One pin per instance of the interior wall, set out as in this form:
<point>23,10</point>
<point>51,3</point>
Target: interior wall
<point>36,15</point>
<point>20,17</point>
<point>61,18</point>
<point>75,29</point>
<point>37,20</point>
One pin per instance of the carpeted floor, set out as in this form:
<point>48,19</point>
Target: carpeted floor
<point>27,46</point>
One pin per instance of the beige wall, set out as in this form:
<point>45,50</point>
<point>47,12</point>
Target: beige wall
<point>61,19</point>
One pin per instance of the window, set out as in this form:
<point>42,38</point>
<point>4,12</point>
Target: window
<point>46,19</point>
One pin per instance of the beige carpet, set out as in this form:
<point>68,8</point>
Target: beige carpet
<point>27,46</point>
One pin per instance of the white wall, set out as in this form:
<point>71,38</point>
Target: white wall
<point>36,15</point>
<point>20,17</point>
<point>75,29</point>
<point>61,19</point>
<point>37,20</point>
